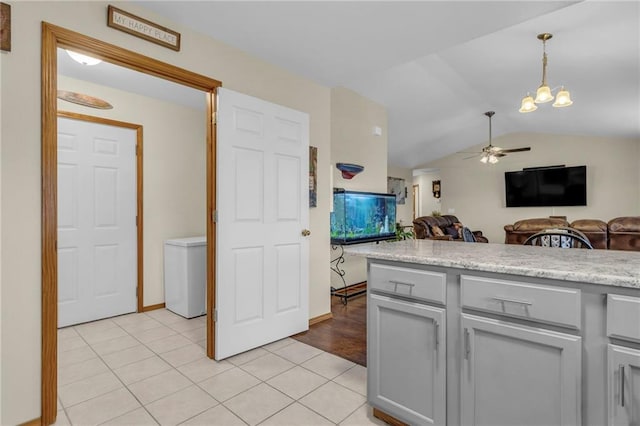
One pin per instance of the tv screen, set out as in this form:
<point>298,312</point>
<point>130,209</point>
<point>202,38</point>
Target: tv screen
<point>547,187</point>
<point>360,217</point>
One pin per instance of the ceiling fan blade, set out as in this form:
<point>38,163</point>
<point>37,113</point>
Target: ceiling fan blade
<point>473,156</point>
<point>500,154</point>
<point>517,149</point>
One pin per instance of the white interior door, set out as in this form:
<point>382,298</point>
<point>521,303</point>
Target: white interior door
<point>262,258</point>
<point>97,239</point>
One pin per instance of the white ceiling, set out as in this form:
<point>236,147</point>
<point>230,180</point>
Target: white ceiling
<point>438,66</point>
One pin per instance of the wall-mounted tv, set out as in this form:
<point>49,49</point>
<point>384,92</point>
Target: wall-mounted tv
<point>547,187</point>
<point>360,217</point>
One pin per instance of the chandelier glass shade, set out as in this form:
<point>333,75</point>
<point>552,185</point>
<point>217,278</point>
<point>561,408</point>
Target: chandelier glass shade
<point>544,93</point>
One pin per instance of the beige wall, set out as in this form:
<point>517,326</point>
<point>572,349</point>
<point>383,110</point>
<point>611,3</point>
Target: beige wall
<point>404,212</point>
<point>353,118</point>
<point>20,166</point>
<point>2,54</point>
<point>174,168</point>
<point>476,191</point>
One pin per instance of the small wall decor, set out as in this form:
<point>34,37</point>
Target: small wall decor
<point>349,170</point>
<point>313,176</point>
<point>140,27</point>
<point>396,186</point>
<point>84,100</point>
<point>5,27</point>
<point>435,187</point>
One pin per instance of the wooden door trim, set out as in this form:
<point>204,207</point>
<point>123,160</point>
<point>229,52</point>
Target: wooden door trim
<point>52,38</point>
<point>139,198</point>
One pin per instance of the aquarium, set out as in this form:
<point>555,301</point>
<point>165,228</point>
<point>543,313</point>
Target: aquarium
<point>359,217</point>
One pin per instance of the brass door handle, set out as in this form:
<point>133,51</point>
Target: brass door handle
<point>306,232</point>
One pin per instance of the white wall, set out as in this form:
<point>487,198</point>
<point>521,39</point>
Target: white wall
<point>174,169</point>
<point>476,190</point>
<point>21,173</point>
<point>404,212</point>
<point>353,118</point>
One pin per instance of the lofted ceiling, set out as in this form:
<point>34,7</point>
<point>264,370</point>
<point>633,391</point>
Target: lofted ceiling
<point>438,66</point>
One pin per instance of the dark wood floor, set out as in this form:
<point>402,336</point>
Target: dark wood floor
<point>345,334</point>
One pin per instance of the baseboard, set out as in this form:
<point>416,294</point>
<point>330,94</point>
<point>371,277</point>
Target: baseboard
<point>34,422</point>
<point>320,318</point>
<point>152,307</point>
<point>387,418</point>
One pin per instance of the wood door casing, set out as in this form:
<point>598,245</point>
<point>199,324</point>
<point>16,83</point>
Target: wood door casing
<point>52,38</point>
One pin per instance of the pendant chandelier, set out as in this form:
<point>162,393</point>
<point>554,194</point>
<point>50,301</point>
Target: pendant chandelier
<point>544,93</point>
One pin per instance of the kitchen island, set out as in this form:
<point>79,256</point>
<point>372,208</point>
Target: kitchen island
<point>495,334</point>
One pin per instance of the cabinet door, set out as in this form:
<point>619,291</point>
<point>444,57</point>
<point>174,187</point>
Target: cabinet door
<point>518,375</point>
<point>624,385</point>
<point>406,360</point>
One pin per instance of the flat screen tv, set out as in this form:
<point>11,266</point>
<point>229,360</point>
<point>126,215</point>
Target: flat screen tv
<point>547,187</point>
<point>360,217</point>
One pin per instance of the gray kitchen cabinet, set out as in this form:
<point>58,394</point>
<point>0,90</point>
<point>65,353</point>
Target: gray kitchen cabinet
<point>406,361</point>
<point>516,374</point>
<point>624,385</point>
<point>515,347</point>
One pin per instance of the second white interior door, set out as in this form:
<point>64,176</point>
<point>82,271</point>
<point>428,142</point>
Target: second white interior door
<point>97,237</point>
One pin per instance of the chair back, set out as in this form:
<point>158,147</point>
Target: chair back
<point>563,237</point>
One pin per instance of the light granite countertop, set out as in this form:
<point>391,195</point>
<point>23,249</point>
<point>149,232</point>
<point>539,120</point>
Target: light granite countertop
<point>607,267</point>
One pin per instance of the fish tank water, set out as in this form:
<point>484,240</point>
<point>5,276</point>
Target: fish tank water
<point>360,217</point>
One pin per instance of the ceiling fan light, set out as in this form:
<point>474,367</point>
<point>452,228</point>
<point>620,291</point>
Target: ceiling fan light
<point>528,105</point>
<point>543,95</point>
<point>563,99</point>
<point>83,59</point>
<point>493,159</point>
<point>484,158</point>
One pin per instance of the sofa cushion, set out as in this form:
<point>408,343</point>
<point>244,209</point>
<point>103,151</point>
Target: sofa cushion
<point>595,230</point>
<point>625,224</point>
<point>538,224</point>
<point>589,225</point>
<point>624,233</point>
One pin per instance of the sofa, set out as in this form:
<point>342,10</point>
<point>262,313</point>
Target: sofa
<point>445,227</point>
<point>620,233</point>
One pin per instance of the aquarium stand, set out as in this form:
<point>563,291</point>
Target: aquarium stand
<point>347,291</point>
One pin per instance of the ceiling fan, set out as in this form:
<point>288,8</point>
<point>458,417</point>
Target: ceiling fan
<point>491,154</point>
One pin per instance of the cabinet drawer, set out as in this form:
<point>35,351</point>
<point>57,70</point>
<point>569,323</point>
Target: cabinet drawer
<point>554,305</point>
<point>623,317</point>
<point>412,283</point>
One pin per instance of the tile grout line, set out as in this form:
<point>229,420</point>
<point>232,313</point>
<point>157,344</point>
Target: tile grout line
<point>239,366</point>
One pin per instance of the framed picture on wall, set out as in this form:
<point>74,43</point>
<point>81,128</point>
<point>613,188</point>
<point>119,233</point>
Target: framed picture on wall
<point>435,187</point>
<point>313,176</point>
<point>396,186</point>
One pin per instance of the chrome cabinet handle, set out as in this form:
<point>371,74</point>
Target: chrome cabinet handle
<point>396,283</point>
<point>437,334</point>
<point>467,346</point>
<point>621,373</point>
<point>519,302</point>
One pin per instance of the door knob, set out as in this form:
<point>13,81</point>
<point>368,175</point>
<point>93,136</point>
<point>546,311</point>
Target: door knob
<point>306,232</point>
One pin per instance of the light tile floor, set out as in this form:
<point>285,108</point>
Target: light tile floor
<point>151,368</point>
